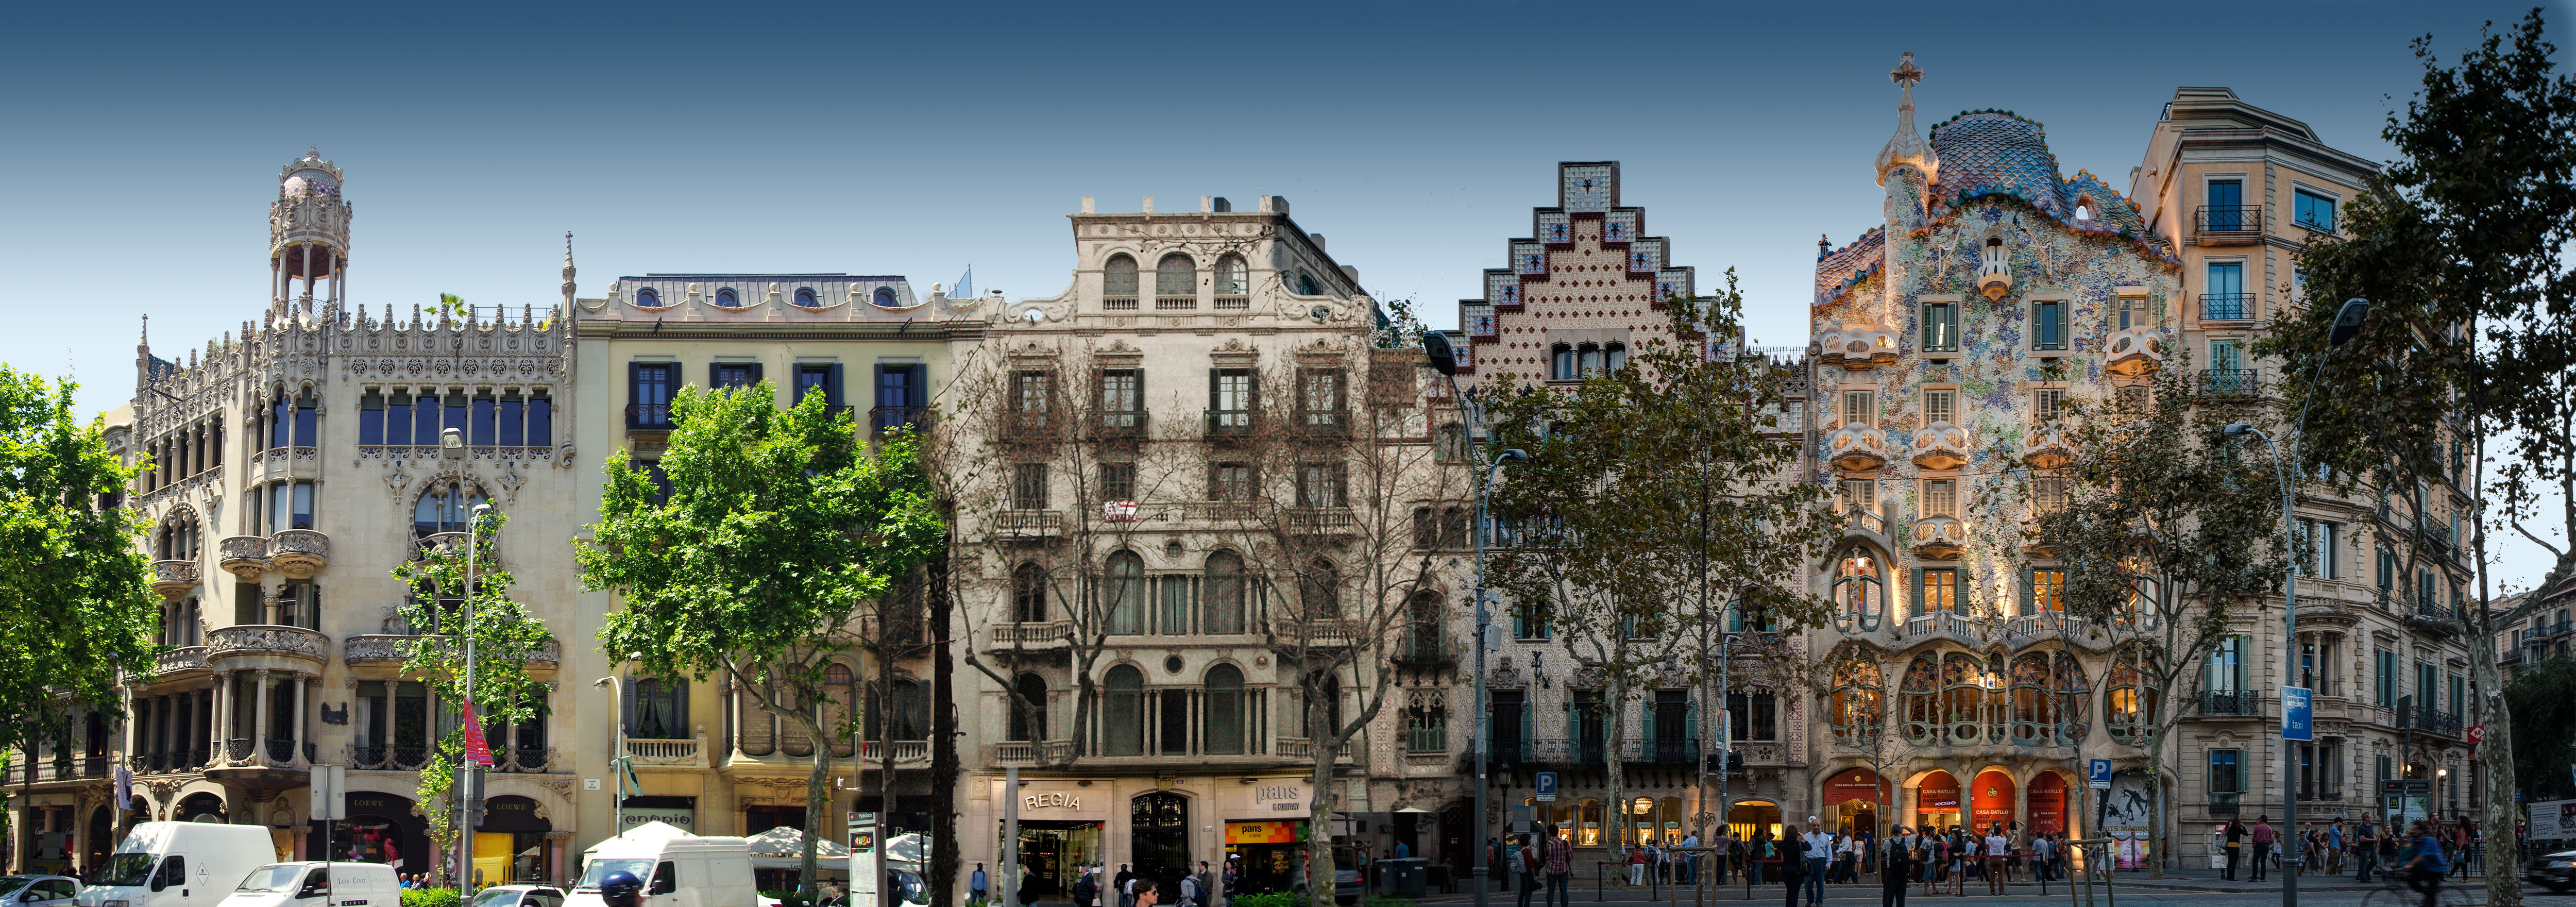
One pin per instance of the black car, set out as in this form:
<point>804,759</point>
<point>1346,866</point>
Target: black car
<point>2554,871</point>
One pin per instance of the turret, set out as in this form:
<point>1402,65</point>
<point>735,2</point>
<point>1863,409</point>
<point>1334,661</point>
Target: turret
<point>308,234</point>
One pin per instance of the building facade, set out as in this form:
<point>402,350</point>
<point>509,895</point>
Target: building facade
<point>1199,482</point>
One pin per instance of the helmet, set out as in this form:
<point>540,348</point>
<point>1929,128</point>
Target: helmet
<point>619,888</point>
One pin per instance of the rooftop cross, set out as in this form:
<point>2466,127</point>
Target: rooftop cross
<point>1906,73</point>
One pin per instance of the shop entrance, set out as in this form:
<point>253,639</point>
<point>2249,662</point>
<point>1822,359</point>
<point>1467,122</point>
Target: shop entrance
<point>1853,799</point>
<point>1748,817</point>
<point>1158,834</point>
<point>2047,800</point>
<point>1936,802</point>
<point>510,845</point>
<point>382,828</point>
<point>1052,854</point>
<point>1265,852</point>
<point>1990,805</point>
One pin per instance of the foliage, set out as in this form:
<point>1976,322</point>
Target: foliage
<point>779,536</point>
<point>1266,899</point>
<point>504,635</point>
<point>1398,328</point>
<point>431,897</point>
<point>76,610</point>
<point>2542,697</point>
<point>1651,486</point>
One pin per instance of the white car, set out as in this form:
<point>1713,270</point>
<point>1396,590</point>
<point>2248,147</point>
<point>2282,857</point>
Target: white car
<point>520,896</point>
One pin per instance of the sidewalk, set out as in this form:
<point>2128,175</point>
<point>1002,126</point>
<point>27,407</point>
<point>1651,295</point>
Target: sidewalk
<point>2176,879</point>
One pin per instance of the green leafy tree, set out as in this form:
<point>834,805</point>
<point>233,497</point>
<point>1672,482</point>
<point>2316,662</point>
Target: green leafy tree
<point>2169,535</point>
<point>779,539</point>
<point>2462,251</point>
<point>1655,485</point>
<point>76,608</point>
<point>2542,696</point>
<point>444,614</point>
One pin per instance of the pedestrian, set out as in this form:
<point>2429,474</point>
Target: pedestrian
<point>1636,866</point>
<point>1531,867</point>
<point>1560,867</point>
<point>1125,884</point>
<point>1146,894</point>
<point>2235,848</point>
<point>1207,885</point>
<point>1927,859</point>
<point>2042,851</point>
<point>2262,840</point>
<point>1996,845</point>
<point>978,885</point>
<point>2335,840</point>
<point>1086,887</point>
<point>1895,868</point>
<point>1793,869</point>
<point>1189,892</point>
<point>1759,854</point>
<point>1818,848</point>
<point>1689,868</point>
<point>2365,850</point>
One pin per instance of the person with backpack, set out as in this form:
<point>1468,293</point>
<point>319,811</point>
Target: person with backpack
<point>1894,868</point>
<point>1531,868</point>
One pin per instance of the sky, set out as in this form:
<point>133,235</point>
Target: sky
<point>140,145</point>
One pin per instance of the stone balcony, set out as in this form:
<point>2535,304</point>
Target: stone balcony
<point>1028,525</point>
<point>1938,537</point>
<point>174,579</point>
<point>243,556</point>
<point>250,646</point>
<point>2134,351</point>
<point>2045,447</point>
<point>1857,346</point>
<point>386,650</point>
<point>1994,272</point>
<point>1940,446</point>
<point>1027,753</point>
<point>688,754</point>
<point>1028,636</point>
<point>1856,448</point>
<point>299,553</point>
<point>179,663</point>
<point>907,753</point>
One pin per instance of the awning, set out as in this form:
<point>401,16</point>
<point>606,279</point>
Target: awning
<point>783,847</point>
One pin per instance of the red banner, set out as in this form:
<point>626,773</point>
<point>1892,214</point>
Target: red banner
<point>1938,793</point>
<point>1991,801</point>
<point>1856,784</point>
<point>2048,803</point>
<point>478,751</point>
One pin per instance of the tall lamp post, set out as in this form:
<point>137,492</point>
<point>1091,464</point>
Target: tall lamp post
<point>2347,323</point>
<point>1445,360</point>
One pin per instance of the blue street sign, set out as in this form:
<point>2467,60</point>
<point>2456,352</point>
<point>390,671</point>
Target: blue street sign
<point>2298,718</point>
<point>2100,774</point>
<point>1547,787</point>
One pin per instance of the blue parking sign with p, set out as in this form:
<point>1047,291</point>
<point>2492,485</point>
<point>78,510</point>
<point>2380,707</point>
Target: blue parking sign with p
<point>2098,774</point>
<point>1546,786</point>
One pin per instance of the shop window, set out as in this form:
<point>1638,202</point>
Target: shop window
<point>1857,708</point>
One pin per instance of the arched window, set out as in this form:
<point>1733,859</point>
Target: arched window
<point>1223,728</point>
<point>1590,356</point>
<point>805,297</point>
<point>1176,282</point>
<point>1028,708</point>
<point>1424,630</point>
<point>1225,593</point>
<point>1118,282</point>
<point>2129,698</point>
<point>1923,724</point>
<point>2034,709</point>
<point>646,298</point>
<point>1122,720</point>
<point>883,298</point>
<point>1124,593</point>
<point>1857,707</point>
<point>2074,701</point>
<point>1426,722</point>
<point>725,298</point>
<point>1560,363</point>
<point>1306,285</point>
<point>1966,691</point>
<point>1319,591</point>
<point>840,693</point>
<point>444,508</point>
<point>660,710</point>
<point>1029,593</point>
<point>1860,596</point>
<point>1614,357</point>
<point>1233,283</point>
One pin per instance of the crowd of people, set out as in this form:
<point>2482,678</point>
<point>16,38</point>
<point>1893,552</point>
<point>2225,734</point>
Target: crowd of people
<point>2258,850</point>
<point>1808,858</point>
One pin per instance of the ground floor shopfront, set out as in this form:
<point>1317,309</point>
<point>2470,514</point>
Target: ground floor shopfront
<point>1159,827</point>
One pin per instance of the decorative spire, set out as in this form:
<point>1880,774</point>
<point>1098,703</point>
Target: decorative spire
<point>1906,147</point>
<point>567,272</point>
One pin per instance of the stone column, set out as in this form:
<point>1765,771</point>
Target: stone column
<point>303,845</point>
<point>296,728</point>
<point>261,726</point>
<point>555,854</point>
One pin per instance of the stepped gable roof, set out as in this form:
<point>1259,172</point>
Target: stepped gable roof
<point>1993,152</point>
<point>1840,268</point>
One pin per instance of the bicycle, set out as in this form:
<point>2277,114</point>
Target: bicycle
<point>2392,891</point>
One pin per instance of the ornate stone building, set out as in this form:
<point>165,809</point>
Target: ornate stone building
<point>283,463</point>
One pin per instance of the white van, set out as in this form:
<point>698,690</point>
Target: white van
<point>180,864</point>
<point>678,869</point>
<point>312,883</point>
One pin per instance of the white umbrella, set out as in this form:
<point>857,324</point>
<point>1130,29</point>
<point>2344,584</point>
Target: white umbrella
<point>783,847</point>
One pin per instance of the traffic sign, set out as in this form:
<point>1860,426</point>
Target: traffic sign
<point>2407,786</point>
<point>1547,787</point>
<point>2100,774</point>
<point>2298,721</point>
<point>2477,733</point>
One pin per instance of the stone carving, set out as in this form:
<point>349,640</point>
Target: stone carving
<point>259,639</point>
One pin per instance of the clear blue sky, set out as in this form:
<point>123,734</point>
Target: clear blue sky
<point>141,143</point>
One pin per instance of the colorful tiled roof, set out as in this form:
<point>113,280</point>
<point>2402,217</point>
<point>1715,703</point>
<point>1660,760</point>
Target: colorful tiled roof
<point>1839,269</point>
<point>1992,152</point>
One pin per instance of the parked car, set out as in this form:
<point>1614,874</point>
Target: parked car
<point>1347,887</point>
<point>39,891</point>
<point>520,896</point>
<point>2555,871</point>
<point>179,864</point>
<point>310,883</point>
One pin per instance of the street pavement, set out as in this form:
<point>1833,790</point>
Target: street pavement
<point>2201,888</point>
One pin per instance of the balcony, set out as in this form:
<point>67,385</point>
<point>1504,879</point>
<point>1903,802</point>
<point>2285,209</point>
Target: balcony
<point>1039,635</point>
<point>1856,346</point>
<point>648,417</point>
<point>1032,752</point>
<point>1940,445</point>
<point>174,579</point>
<point>1323,425</point>
<point>1856,448</point>
<point>1943,624</point>
<point>1684,751</point>
<point>1230,423</point>
<point>267,645</point>
<point>1425,651</point>
<point>298,553</point>
<point>2223,804</point>
<point>1863,519</point>
<point>2226,306</point>
<point>1322,633</point>
<point>2444,723</point>
<point>1938,537</point>
<point>1994,271</point>
<point>2045,447</point>
<point>907,753</point>
<point>2230,383</point>
<point>1028,525</point>
<point>1300,748</point>
<point>1320,520</point>
<point>890,418</point>
<point>2135,351</point>
<point>171,664</point>
<point>1121,425</point>
<point>1032,427</point>
<point>2232,702</point>
<point>388,758</point>
<point>681,754</point>
<point>2227,225</point>
<point>243,556</point>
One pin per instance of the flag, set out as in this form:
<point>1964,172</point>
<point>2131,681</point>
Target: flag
<point>124,789</point>
<point>478,751</point>
<point>965,285</point>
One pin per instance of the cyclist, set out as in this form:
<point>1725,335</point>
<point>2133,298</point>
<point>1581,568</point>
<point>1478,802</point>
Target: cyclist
<point>2425,865</point>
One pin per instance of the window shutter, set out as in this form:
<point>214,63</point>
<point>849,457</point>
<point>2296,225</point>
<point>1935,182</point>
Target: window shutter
<point>1690,718</point>
<point>755,373</point>
<point>2028,576</point>
<point>626,695</point>
<point>832,385</point>
<point>1214,379</point>
<point>1252,390</point>
<point>1918,591</point>
<point>714,375</point>
<point>1648,706</point>
<point>876,386</point>
<point>634,380</point>
<point>1574,719</point>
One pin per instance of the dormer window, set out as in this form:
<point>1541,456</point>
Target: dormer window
<point>725,298</point>
<point>2084,210</point>
<point>648,299</point>
<point>805,297</point>
<point>884,298</point>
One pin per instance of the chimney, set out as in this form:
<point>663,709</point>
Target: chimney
<point>1086,204</point>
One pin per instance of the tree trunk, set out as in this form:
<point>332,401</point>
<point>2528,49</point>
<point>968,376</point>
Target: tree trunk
<point>816,803</point>
<point>2156,808</point>
<point>1323,880</point>
<point>944,768</point>
<point>2504,887</point>
<point>1617,719</point>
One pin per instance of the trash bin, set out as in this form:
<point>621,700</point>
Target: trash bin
<point>1403,878</point>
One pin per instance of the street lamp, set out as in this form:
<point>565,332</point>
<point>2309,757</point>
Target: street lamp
<point>1445,360</point>
<point>2347,324</point>
<point>469,784</point>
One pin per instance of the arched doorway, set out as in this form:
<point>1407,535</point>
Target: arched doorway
<point>382,828</point>
<point>1936,801</point>
<point>202,806</point>
<point>2047,802</point>
<point>1853,799</point>
<point>1158,834</point>
<point>1991,802</point>
<point>94,839</point>
<point>1747,817</point>
<point>510,845</point>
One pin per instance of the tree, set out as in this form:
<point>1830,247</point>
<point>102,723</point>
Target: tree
<point>2461,250</point>
<point>1655,484</point>
<point>2542,696</point>
<point>76,608</point>
<point>445,614</point>
<point>778,536</point>
<point>2166,531</point>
